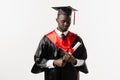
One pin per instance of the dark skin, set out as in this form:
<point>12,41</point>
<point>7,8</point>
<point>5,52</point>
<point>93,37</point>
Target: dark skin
<point>64,22</point>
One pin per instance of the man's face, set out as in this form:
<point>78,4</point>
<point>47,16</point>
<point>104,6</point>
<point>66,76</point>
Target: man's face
<point>63,22</point>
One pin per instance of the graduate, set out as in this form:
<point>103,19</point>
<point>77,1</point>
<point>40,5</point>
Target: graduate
<point>61,54</point>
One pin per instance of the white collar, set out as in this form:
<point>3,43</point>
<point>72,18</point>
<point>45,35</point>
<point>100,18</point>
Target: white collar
<point>59,33</point>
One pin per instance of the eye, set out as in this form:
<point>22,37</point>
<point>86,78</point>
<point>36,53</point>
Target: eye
<point>68,22</point>
<point>63,21</point>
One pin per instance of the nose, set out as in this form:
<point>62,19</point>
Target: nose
<point>66,23</point>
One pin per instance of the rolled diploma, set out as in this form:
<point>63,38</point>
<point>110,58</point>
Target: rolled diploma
<point>75,47</point>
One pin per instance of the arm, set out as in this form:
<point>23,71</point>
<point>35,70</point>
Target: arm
<point>78,54</point>
<point>41,56</point>
<point>41,52</point>
<point>58,62</point>
<point>73,60</point>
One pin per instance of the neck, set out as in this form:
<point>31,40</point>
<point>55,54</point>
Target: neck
<point>60,29</point>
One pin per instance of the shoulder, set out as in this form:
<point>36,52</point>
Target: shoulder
<point>78,37</point>
<point>72,34</point>
<point>49,33</point>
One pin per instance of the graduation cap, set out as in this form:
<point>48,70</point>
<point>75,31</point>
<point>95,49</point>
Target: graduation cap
<point>66,10</point>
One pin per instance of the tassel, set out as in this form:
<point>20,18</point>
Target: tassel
<point>74,19</point>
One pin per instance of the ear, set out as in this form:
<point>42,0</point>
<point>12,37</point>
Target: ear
<point>56,19</point>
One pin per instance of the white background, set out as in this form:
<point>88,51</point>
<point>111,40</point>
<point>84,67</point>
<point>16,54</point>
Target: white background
<point>24,22</point>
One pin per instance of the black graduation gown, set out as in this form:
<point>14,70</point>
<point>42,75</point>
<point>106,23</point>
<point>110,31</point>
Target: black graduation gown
<point>47,50</point>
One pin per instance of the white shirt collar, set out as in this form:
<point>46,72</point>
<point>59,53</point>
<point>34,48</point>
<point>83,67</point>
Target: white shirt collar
<point>59,33</point>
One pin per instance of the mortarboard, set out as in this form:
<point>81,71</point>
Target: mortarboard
<point>66,10</point>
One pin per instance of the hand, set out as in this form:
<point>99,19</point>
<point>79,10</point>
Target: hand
<point>66,57</point>
<point>72,60</point>
<point>59,62</point>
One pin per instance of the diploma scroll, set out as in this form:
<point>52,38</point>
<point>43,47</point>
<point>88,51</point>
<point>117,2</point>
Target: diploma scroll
<point>71,50</point>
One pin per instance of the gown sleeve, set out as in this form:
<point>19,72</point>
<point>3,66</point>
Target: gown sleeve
<point>41,53</point>
<point>81,54</point>
<point>40,56</point>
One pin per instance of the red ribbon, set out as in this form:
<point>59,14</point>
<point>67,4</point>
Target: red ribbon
<point>71,50</point>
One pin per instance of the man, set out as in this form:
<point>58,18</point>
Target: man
<point>55,55</point>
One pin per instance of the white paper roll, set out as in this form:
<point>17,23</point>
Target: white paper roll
<point>77,45</point>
